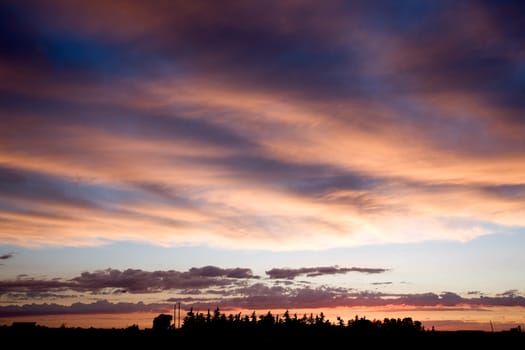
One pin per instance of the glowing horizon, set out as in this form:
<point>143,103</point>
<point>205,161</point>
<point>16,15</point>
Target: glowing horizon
<point>438,319</point>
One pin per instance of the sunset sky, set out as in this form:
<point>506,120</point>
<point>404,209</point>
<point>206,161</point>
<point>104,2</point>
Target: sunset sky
<point>350,157</point>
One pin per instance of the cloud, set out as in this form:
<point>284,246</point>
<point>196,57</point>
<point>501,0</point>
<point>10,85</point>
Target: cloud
<point>131,280</point>
<point>18,184</point>
<point>31,285</point>
<point>195,279</point>
<point>509,293</point>
<point>139,281</point>
<point>474,55</point>
<point>209,287</point>
<point>7,256</point>
<point>259,296</point>
<point>380,283</point>
<point>213,271</point>
<point>287,273</point>
<point>351,124</point>
<point>98,307</point>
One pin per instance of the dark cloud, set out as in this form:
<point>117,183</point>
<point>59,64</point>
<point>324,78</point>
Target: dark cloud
<point>453,299</point>
<point>275,51</point>
<point>16,42</point>
<point>132,281</point>
<point>40,43</point>
<point>516,191</point>
<point>304,178</point>
<point>190,291</point>
<point>450,299</point>
<point>484,60</point>
<point>327,181</point>
<point>7,256</point>
<point>303,51</point>
<point>173,125</point>
<point>310,48</point>
<point>30,185</point>
<point>32,285</point>
<point>262,296</point>
<point>509,293</point>
<point>213,271</point>
<point>263,167</point>
<point>321,50</point>
<point>319,271</point>
<point>98,307</point>
<point>139,281</point>
<point>38,295</point>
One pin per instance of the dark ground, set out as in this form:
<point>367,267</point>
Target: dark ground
<point>336,338</point>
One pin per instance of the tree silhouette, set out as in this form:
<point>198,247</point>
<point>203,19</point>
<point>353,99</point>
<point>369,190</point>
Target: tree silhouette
<point>162,322</point>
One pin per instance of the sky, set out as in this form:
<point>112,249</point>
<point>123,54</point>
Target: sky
<point>347,157</point>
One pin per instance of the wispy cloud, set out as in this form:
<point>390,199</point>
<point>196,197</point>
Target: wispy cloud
<point>319,271</point>
<point>380,283</point>
<point>262,297</point>
<point>351,124</point>
<point>7,256</point>
<point>98,307</point>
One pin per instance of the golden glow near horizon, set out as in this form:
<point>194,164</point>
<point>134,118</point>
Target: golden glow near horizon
<point>441,319</point>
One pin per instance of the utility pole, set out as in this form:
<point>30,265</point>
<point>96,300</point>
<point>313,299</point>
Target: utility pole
<point>179,315</point>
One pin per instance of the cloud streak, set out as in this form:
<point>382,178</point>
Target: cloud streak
<point>286,273</point>
<point>7,256</point>
<point>98,307</point>
<point>262,297</point>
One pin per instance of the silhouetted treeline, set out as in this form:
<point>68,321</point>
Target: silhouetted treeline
<point>309,331</point>
<point>220,321</point>
<point>215,329</point>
